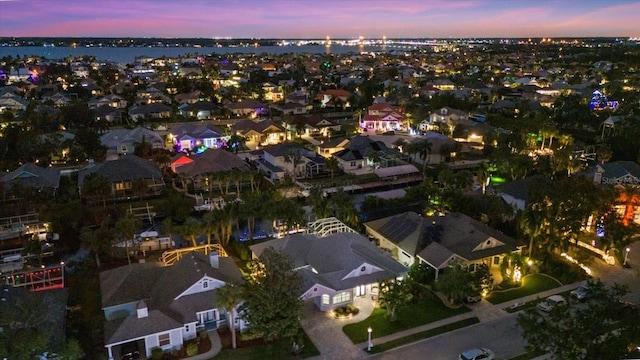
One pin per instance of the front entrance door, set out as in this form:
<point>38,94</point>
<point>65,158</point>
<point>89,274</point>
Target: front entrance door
<point>361,290</point>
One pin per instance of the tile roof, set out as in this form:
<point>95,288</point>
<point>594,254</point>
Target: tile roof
<point>126,168</point>
<point>211,161</point>
<point>32,176</point>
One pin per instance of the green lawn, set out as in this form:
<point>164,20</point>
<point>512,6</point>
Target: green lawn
<point>531,284</point>
<point>280,349</point>
<point>423,335</point>
<point>417,313</point>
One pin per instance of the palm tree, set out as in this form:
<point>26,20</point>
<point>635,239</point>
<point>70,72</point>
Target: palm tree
<point>190,229</point>
<point>98,241</point>
<point>209,225</point>
<point>169,227</point>
<point>331,164</point>
<point>531,223</point>
<point>483,175</point>
<point>228,297</point>
<point>126,228</point>
<point>423,149</point>
<point>294,157</point>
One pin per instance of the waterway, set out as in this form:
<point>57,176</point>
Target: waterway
<point>127,55</point>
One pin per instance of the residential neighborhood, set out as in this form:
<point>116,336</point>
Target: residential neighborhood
<point>320,205</point>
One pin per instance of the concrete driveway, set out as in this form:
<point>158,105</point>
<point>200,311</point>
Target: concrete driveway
<point>326,331</point>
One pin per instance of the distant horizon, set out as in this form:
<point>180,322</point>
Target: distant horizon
<point>310,39</point>
<point>306,19</point>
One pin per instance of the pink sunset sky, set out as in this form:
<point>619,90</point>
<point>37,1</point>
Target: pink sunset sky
<point>319,18</point>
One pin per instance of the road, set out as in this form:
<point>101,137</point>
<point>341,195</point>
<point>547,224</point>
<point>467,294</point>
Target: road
<point>501,335</point>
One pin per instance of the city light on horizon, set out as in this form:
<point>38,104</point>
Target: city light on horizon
<point>304,20</point>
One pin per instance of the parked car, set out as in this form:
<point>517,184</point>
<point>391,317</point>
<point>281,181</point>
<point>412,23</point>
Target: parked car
<point>551,302</point>
<point>477,354</point>
<point>580,293</point>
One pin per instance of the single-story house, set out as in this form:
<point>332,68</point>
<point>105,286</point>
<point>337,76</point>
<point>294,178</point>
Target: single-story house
<point>120,142</point>
<point>190,136</point>
<point>156,306</point>
<point>336,268</point>
<point>31,176</point>
<point>122,173</point>
<point>441,240</point>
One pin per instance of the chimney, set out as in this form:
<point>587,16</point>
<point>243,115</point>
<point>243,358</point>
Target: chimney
<point>142,310</point>
<point>597,176</point>
<point>214,260</point>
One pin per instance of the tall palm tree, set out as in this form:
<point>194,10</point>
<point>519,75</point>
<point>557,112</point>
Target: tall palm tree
<point>126,228</point>
<point>331,164</point>
<point>169,227</point>
<point>531,223</point>
<point>483,175</point>
<point>423,149</point>
<point>190,229</point>
<point>294,157</point>
<point>228,297</point>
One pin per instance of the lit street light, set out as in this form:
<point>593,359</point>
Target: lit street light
<point>369,330</point>
<point>626,255</point>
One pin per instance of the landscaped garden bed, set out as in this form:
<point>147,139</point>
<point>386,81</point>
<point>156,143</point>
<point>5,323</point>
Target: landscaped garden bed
<point>531,284</point>
<point>345,312</point>
<point>258,349</point>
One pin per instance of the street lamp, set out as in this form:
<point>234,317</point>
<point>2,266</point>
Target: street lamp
<point>369,330</point>
<point>626,255</point>
<point>62,270</point>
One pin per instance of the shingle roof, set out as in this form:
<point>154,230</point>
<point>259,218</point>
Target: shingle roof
<point>327,260</point>
<point>212,161</point>
<point>159,287</point>
<point>32,176</point>
<point>126,168</point>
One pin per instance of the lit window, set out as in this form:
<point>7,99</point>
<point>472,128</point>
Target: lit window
<point>164,339</point>
<point>325,299</point>
<point>342,297</point>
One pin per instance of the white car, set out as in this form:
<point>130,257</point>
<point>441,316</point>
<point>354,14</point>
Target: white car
<point>551,302</point>
<point>477,354</point>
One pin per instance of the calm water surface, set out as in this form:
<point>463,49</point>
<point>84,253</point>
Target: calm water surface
<point>127,55</point>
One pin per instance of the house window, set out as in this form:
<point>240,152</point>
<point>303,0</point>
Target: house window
<point>186,328</point>
<point>164,339</point>
<point>342,297</point>
<point>496,260</point>
<point>325,299</point>
<point>352,164</point>
<point>205,284</point>
<point>123,148</point>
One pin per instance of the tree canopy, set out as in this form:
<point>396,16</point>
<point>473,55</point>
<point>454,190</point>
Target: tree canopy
<point>272,294</point>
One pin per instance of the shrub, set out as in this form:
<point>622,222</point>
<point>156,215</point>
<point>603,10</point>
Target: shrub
<point>192,349</point>
<point>345,311</point>
<point>250,335</point>
<point>157,353</point>
<point>203,334</point>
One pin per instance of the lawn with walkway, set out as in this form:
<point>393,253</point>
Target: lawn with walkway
<point>416,313</point>
<point>531,284</point>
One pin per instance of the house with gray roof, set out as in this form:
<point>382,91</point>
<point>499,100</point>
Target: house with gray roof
<point>616,173</point>
<point>120,142</point>
<point>198,167</point>
<point>31,176</point>
<point>278,160</point>
<point>190,136</point>
<point>157,306</point>
<point>336,268</point>
<point>441,240</point>
<point>122,174</point>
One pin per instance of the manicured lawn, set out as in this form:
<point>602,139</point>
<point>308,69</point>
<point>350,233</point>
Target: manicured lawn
<point>423,335</point>
<point>531,284</point>
<point>417,313</point>
<point>280,349</point>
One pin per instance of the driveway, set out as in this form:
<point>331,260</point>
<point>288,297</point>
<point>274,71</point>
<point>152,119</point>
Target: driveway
<point>326,331</point>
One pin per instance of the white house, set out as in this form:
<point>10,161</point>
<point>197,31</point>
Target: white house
<point>336,268</point>
<point>160,307</point>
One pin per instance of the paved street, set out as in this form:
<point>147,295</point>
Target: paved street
<point>500,335</point>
